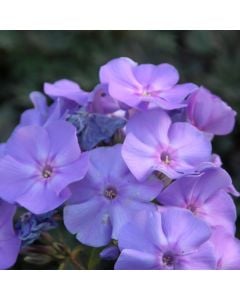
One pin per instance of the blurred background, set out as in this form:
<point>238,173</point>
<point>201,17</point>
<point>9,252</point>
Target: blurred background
<point>209,58</point>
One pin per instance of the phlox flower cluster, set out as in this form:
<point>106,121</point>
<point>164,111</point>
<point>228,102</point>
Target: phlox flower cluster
<point>129,165</point>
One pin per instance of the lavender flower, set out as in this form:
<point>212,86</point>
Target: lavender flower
<point>209,113</point>
<point>39,165</point>
<point>134,84</point>
<point>9,242</point>
<point>173,239</point>
<point>107,198</point>
<point>154,143</point>
<point>205,196</point>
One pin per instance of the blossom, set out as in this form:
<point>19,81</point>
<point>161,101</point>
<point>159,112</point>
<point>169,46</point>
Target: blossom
<point>173,239</point>
<point>226,249</point>
<point>133,84</point>
<point>9,242</point>
<point>106,198</point>
<point>205,196</point>
<point>153,142</point>
<point>209,113</point>
<point>39,164</point>
<point>110,253</point>
<point>68,91</point>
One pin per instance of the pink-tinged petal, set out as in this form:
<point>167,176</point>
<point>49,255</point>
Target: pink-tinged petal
<point>156,78</point>
<point>40,199</point>
<point>66,89</point>
<point>136,260</point>
<point>165,104</point>
<point>219,210</point>
<point>209,113</point>
<point>16,178</point>
<point>90,221</point>
<point>29,144</point>
<point>119,70</point>
<point>178,93</point>
<point>151,127</point>
<point>183,230</point>
<point>226,248</point>
<point>191,145</point>
<point>140,158</point>
<point>68,174</point>
<point>64,143</point>
<point>202,258</point>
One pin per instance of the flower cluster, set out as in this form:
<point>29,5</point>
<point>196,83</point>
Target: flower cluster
<point>130,165</point>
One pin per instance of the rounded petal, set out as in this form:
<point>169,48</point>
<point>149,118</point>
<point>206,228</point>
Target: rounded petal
<point>209,113</point>
<point>29,144</point>
<point>16,178</point>
<point>190,144</point>
<point>201,259</point>
<point>40,199</point>
<point>69,173</point>
<point>178,93</point>
<point>139,157</point>
<point>219,210</point>
<point>64,143</point>
<point>9,250</point>
<point>136,260</point>
<point>184,230</point>
<point>161,77</point>
<point>90,221</point>
<point>151,127</point>
<point>226,248</point>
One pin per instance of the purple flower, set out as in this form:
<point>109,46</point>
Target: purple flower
<point>107,198</point>
<point>9,242</point>
<point>68,91</point>
<point>173,239</point>
<point>205,196</point>
<point>39,165</point>
<point>209,113</point>
<point>133,84</point>
<point>226,249</point>
<point>41,114</point>
<point>154,143</point>
<point>99,101</point>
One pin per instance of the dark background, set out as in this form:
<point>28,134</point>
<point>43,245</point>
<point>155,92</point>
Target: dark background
<point>209,58</point>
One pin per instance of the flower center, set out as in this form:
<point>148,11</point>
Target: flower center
<point>47,172</point>
<point>191,207</point>
<point>168,259</point>
<point>165,157</point>
<point>110,193</point>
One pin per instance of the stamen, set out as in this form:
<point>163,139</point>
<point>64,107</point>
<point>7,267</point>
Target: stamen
<point>47,172</point>
<point>110,193</point>
<point>168,259</point>
<point>165,157</point>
